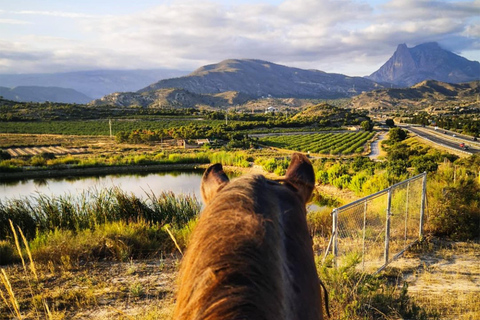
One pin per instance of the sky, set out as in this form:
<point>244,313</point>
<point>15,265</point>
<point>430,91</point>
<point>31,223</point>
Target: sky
<point>352,37</point>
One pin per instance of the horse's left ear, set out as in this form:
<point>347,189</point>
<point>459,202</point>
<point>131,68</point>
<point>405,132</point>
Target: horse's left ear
<point>300,175</point>
<point>213,180</point>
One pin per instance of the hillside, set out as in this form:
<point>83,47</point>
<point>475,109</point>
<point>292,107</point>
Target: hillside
<point>170,98</point>
<point>427,61</point>
<point>258,78</point>
<point>428,95</point>
<point>42,94</point>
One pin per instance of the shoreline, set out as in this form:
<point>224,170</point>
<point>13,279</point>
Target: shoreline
<point>91,171</point>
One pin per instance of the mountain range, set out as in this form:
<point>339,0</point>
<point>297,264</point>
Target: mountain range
<point>257,78</point>
<point>235,80</point>
<point>93,84</point>
<point>42,94</point>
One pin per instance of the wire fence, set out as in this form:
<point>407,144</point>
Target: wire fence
<point>380,227</point>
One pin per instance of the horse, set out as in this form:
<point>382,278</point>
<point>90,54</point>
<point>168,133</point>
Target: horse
<point>250,255</point>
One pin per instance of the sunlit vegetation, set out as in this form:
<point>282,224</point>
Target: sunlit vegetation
<point>330,143</point>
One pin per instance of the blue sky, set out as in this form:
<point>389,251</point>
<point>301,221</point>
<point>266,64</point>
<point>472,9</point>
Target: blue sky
<point>352,37</point>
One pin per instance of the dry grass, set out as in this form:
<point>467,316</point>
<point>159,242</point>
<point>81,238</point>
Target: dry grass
<point>445,277</point>
<point>102,290</point>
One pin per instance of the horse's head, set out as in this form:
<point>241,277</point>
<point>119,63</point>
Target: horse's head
<point>250,255</point>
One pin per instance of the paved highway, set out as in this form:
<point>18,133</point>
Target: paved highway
<point>445,139</point>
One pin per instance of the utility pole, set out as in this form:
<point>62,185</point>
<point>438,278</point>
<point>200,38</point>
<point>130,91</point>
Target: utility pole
<point>110,125</point>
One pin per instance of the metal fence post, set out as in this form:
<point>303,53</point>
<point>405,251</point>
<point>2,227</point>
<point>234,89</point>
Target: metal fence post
<point>422,204</point>
<point>335,236</point>
<point>387,225</point>
<point>364,234</point>
<point>406,216</point>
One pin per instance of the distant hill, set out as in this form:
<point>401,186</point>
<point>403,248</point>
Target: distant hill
<point>257,78</point>
<point>428,95</point>
<point>171,98</point>
<point>428,61</point>
<point>94,84</point>
<point>42,94</point>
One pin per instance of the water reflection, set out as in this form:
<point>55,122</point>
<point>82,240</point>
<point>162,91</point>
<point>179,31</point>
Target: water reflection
<point>180,182</point>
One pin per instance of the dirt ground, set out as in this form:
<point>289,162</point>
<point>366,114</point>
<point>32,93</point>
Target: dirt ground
<point>445,276</point>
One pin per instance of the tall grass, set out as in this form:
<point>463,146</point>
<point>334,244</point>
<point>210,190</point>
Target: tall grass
<point>42,213</point>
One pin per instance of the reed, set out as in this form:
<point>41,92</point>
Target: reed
<point>42,213</point>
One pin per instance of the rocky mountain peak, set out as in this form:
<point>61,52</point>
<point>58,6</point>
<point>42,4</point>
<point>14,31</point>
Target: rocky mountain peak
<point>428,61</point>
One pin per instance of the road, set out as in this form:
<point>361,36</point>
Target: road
<point>447,139</point>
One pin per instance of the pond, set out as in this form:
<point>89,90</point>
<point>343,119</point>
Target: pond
<point>179,182</point>
<point>138,184</point>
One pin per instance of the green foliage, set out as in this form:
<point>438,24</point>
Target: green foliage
<point>238,159</point>
<point>397,134</point>
<point>278,166</point>
<point>326,143</point>
<point>424,163</point>
<point>367,125</point>
<point>92,208</point>
<point>454,197</point>
<point>8,253</point>
<point>390,123</point>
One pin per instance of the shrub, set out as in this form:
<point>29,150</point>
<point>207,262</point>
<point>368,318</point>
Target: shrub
<point>38,161</point>
<point>7,253</point>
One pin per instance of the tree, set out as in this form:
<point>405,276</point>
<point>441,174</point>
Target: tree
<point>367,125</point>
<point>390,123</point>
<point>397,134</point>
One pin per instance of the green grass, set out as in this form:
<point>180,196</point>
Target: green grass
<point>93,208</point>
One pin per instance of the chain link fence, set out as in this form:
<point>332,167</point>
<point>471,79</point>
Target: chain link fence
<point>380,227</point>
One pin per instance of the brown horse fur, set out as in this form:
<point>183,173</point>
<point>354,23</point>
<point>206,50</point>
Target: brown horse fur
<point>250,256</point>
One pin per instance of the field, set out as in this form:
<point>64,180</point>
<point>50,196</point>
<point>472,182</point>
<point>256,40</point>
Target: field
<point>99,127</point>
<point>99,271</point>
<point>322,143</point>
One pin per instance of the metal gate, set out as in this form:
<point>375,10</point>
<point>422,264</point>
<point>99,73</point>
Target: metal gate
<point>378,228</point>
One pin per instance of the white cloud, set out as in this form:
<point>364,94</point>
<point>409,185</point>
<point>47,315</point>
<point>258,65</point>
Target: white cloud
<point>53,14</point>
<point>13,21</point>
<point>344,36</point>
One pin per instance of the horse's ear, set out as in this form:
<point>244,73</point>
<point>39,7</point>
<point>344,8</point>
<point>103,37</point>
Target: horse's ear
<point>300,175</point>
<point>213,180</point>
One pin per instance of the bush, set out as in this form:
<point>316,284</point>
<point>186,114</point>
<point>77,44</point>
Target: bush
<point>8,254</point>
<point>455,210</point>
<point>38,161</point>
<point>397,134</point>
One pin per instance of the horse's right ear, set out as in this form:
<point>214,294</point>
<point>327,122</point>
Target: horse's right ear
<point>213,180</point>
<point>301,176</point>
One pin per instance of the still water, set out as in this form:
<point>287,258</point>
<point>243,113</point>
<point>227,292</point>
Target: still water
<point>138,184</point>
